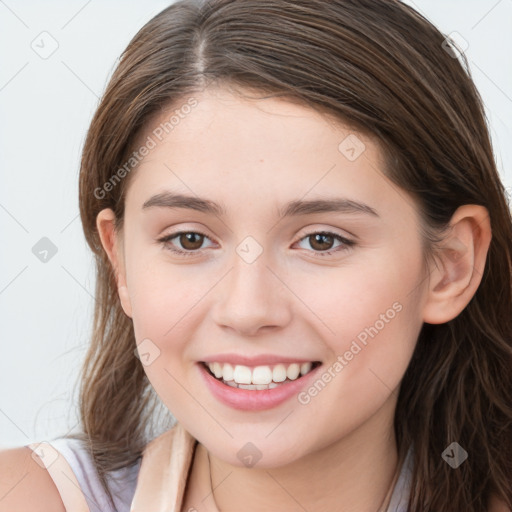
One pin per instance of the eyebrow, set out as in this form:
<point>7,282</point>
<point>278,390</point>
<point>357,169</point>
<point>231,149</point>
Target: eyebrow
<point>293,208</point>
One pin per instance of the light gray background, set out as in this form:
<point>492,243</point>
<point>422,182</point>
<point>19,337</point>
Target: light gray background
<point>45,108</point>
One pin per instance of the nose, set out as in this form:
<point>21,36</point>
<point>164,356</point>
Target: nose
<point>251,298</point>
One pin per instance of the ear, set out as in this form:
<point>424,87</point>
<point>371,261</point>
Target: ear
<point>459,265</point>
<point>113,244</point>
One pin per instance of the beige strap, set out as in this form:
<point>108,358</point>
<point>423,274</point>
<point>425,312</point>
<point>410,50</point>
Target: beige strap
<point>199,497</point>
<point>62,475</point>
<point>163,472</point>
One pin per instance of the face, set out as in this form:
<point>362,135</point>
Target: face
<point>312,255</point>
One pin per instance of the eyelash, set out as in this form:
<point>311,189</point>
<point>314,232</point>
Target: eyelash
<point>166,239</point>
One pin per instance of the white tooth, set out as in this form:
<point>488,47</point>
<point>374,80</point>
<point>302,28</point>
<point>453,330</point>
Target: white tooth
<point>210,365</point>
<point>247,386</point>
<point>242,374</point>
<point>217,370</point>
<point>293,371</point>
<point>232,383</point>
<point>279,373</point>
<point>305,368</point>
<point>261,375</point>
<point>272,385</point>
<point>261,386</point>
<point>227,372</point>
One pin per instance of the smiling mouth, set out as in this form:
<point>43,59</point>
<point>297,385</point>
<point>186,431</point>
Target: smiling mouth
<point>258,377</point>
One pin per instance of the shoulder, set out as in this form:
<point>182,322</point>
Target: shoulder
<point>25,484</point>
<point>496,505</point>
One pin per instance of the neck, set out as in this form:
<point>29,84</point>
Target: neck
<point>357,472</point>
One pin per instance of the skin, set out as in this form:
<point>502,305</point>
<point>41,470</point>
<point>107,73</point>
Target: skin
<point>338,452</point>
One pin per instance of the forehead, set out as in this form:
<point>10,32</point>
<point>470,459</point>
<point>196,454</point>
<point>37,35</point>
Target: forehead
<point>242,115</point>
<point>254,149</point>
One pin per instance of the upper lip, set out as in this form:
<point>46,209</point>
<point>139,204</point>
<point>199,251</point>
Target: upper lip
<point>260,360</point>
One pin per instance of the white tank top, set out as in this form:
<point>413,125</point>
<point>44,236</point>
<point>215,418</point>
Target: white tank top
<point>76,479</point>
<point>73,472</point>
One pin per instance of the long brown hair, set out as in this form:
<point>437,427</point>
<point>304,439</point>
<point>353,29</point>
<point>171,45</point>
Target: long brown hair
<point>381,67</point>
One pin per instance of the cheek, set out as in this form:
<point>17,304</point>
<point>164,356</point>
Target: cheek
<point>370,316</point>
<point>165,320</point>
<point>376,323</point>
<point>162,292</point>
<point>168,305</point>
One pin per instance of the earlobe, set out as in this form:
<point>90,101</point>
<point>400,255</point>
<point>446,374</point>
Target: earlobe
<point>111,242</point>
<point>459,264</point>
<point>125,300</point>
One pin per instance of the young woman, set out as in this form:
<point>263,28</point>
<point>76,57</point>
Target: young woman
<point>303,252</point>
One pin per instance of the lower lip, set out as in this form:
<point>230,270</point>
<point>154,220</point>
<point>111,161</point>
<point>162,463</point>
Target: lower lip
<point>258,399</point>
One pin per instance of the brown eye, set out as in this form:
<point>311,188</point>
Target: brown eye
<point>321,241</point>
<point>184,243</point>
<point>191,241</point>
